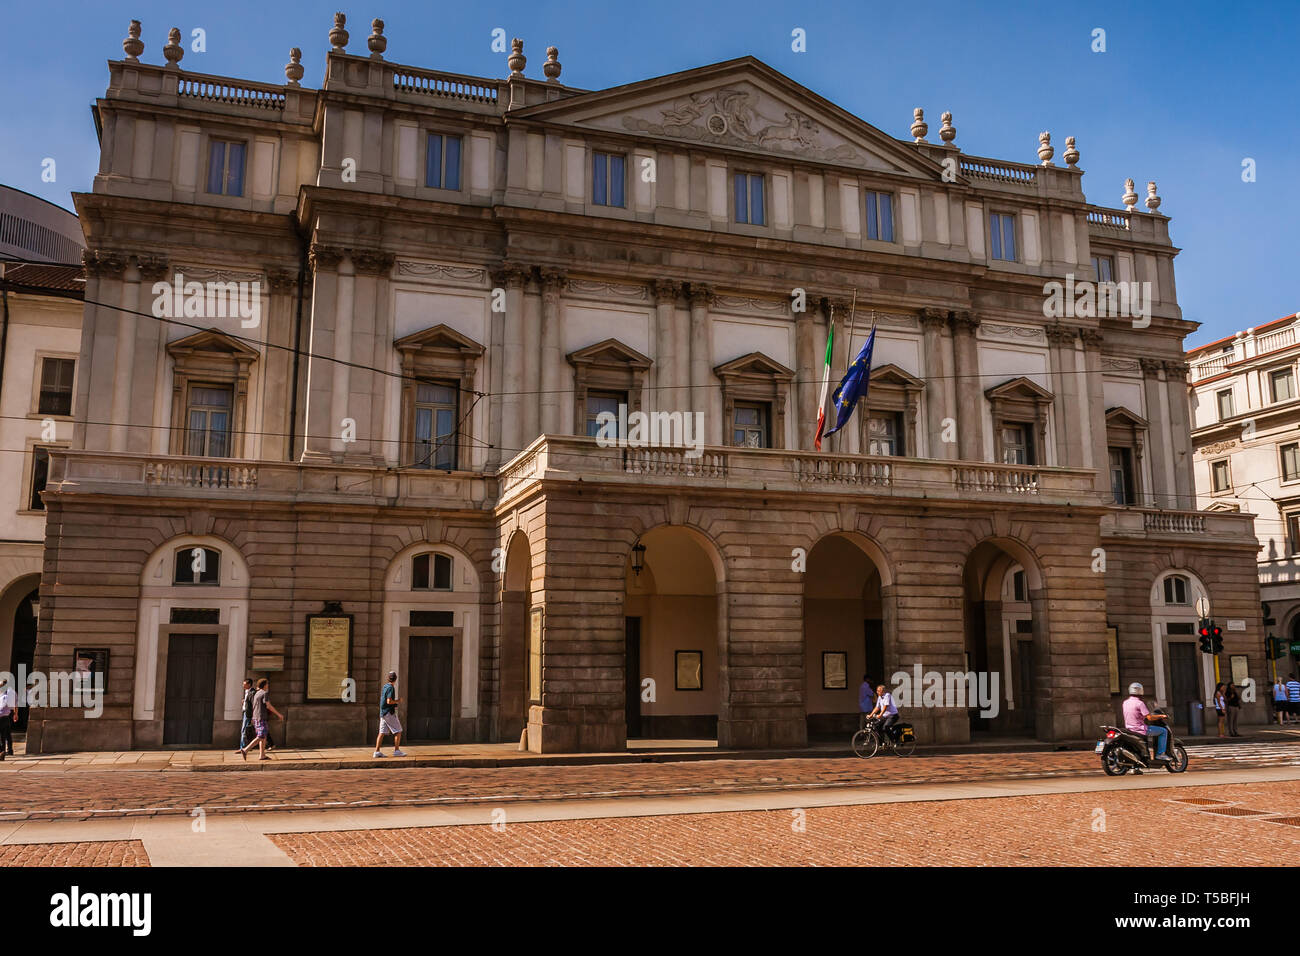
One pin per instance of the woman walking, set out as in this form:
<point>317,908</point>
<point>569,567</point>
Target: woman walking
<point>1232,698</point>
<point>1219,705</point>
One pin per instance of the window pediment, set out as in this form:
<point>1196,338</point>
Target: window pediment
<point>1021,389</point>
<point>612,354</point>
<point>440,340</point>
<point>211,341</point>
<point>1121,416</point>
<point>756,368</point>
<point>892,375</point>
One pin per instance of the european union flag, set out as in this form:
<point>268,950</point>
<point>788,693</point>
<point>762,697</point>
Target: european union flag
<point>853,386</point>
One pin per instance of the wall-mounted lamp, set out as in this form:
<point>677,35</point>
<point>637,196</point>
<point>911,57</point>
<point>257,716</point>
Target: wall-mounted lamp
<point>638,557</point>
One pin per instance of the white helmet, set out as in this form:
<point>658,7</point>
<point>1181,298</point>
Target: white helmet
<point>1135,688</point>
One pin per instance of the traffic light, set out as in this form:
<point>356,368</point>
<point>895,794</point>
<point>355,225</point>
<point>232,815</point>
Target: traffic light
<point>1274,647</point>
<point>1216,638</point>
<point>1205,629</point>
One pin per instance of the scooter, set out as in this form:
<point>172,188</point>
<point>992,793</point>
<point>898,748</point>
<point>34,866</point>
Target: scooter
<point>1122,750</point>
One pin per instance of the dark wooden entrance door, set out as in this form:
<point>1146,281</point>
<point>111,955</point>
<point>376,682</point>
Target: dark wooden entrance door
<point>1026,696</point>
<point>1183,679</point>
<point>632,676</point>
<point>191,689</point>
<point>428,695</point>
<point>874,645</point>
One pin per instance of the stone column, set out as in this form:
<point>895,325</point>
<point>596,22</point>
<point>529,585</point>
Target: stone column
<point>512,359</point>
<point>1179,436</point>
<point>668,393</point>
<point>341,388</point>
<point>148,359</point>
<point>530,384</point>
<point>938,383</point>
<point>1161,491</point>
<point>553,283</point>
<point>369,347</point>
<point>279,308</point>
<point>119,412</point>
<point>809,373</point>
<point>317,431</point>
<point>99,348</point>
<point>840,443</point>
<point>1065,391</point>
<point>1092,374</point>
<point>970,396</point>
<point>701,297</point>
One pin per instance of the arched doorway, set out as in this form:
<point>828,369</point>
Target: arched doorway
<point>22,654</point>
<point>1005,641</point>
<point>512,661</point>
<point>671,625</point>
<point>844,631</point>
<point>1182,673</point>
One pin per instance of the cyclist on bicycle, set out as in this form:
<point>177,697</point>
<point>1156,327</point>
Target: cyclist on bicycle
<point>885,710</point>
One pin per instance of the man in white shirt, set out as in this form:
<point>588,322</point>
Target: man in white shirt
<point>8,710</point>
<point>885,710</point>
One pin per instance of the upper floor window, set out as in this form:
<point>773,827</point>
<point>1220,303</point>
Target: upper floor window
<point>1293,532</point>
<point>880,216</point>
<point>1282,382</point>
<point>1290,462</point>
<point>1121,475</point>
<point>1220,478</point>
<point>207,421</point>
<point>1104,267</point>
<point>435,426</point>
<point>1002,236</point>
<point>1018,586</point>
<point>749,427</point>
<point>56,386</point>
<point>226,167</point>
<point>599,403</point>
<point>1224,401</point>
<point>1175,589</point>
<point>197,566</point>
<point>431,572</point>
<point>40,476</point>
<point>1017,444</point>
<point>749,198</point>
<point>442,165</point>
<point>884,433</point>
<point>607,179</point>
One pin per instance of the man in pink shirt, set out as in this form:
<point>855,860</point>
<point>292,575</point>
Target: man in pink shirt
<point>1135,720</point>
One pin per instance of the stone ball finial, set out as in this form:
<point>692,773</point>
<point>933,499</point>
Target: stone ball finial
<point>132,45</point>
<point>377,42</point>
<point>293,69</point>
<point>1129,198</point>
<point>1045,149</point>
<point>552,65</point>
<point>947,132</point>
<point>919,126</point>
<point>338,33</point>
<point>1153,201</point>
<point>516,60</point>
<point>1071,154</point>
<point>173,51</point>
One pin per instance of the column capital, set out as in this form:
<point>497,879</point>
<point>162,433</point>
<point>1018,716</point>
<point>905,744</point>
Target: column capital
<point>98,262</point>
<point>665,290</point>
<point>321,256</point>
<point>1060,334</point>
<point>1176,370</point>
<point>373,262</point>
<point>700,294</point>
<point>965,321</point>
<point>1091,338</point>
<point>932,318</point>
<point>840,306</point>
<point>553,282</point>
<point>152,267</point>
<point>510,275</point>
<point>1151,368</point>
<point>281,280</point>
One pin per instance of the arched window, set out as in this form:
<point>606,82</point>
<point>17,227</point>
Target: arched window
<point>197,566</point>
<point>1177,590</point>
<point>431,571</point>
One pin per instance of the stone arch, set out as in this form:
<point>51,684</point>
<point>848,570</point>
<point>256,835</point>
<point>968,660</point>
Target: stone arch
<point>513,673</point>
<point>1182,674</point>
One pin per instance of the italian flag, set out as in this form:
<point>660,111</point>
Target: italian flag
<point>826,381</point>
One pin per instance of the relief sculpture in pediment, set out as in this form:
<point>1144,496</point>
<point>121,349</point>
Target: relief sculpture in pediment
<point>728,117</point>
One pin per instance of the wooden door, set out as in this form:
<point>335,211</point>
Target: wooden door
<point>191,689</point>
<point>428,693</point>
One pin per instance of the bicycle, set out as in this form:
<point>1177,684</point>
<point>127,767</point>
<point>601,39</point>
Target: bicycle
<point>901,740</point>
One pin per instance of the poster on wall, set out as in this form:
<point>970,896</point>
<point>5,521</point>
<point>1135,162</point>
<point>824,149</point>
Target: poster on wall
<point>690,670</point>
<point>835,670</point>
<point>329,655</point>
<point>91,664</point>
<point>535,656</point>
<point>1240,670</point>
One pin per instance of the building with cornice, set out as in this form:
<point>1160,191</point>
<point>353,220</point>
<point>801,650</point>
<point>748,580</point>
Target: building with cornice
<point>400,463</point>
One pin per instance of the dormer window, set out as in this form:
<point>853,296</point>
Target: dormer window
<point>431,572</point>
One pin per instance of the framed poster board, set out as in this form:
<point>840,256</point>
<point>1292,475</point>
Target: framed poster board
<point>1112,657</point>
<point>1240,669</point>
<point>689,670</point>
<point>91,661</point>
<point>835,670</point>
<point>329,655</point>
<point>535,656</point>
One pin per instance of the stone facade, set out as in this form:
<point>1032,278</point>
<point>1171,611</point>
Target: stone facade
<point>459,274</point>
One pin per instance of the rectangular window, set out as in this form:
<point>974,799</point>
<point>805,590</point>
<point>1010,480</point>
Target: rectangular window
<point>56,386</point>
<point>207,432</point>
<point>442,165</point>
<point>433,619</point>
<point>1293,532</point>
<point>1175,589</point>
<point>607,179</point>
<point>749,198</point>
<point>1219,475</point>
<point>598,402</point>
<point>1290,462</point>
<point>1002,236</point>
<point>1283,383</point>
<point>1121,475</point>
<point>40,475</point>
<point>880,216</point>
<point>226,168</point>
<point>1224,401</point>
<point>884,434</point>
<point>1104,267</point>
<point>435,426</point>
<point>430,567</point>
<point>1017,445</point>
<point>1018,587</point>
<point>749,425</point>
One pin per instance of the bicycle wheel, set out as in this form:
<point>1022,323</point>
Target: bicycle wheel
<point>865,744</point>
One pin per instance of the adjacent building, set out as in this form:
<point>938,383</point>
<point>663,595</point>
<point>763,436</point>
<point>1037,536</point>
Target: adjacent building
<point>361,388</point>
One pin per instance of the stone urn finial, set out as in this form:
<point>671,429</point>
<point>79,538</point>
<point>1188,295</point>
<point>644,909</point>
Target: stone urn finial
<point>1071,154</point>
<point>947,132</point>
<point>293,69</point>
<point>377,42</point>
<point>552,65</point>
<point>919,126</point>
<point>1153,201</point>
<point>516,60</point>
<point>1045,149</point>
<point>132,45</point>
<point>1129,198</point>
<point>173,51</point>
<point>339,33</point>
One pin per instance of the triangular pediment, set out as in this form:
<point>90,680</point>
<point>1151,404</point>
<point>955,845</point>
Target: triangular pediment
<point>755,364</point>
<point>1021,388</point>
<point>740,104</point>
<point>609,352</point>
<point>211,340</point>
<point>439,337</point>
<point>893,375</point>
<point>1119,415</point>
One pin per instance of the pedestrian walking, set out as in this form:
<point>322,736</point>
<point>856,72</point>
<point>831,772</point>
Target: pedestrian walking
<point>246,715</point>
<point>866,701</point>
<point>1220,706</point>
<point>8,710</point>
<point>1279,701</point>
<point>1232,698</point>
<point>1292,699</point>
<point>388,722</point>
<point>262,709</point>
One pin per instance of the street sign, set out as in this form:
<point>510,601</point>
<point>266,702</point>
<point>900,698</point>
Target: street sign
<point>1236,624</point>
<point>1295,647</point>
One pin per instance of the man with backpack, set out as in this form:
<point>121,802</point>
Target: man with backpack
<point>388,722</point>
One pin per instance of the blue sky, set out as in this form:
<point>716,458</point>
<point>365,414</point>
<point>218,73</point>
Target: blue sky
<point>1183,93</point>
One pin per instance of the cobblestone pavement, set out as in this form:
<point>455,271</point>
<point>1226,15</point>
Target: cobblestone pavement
<point>1226,825</point>
<point>92,795</point>
<point>104,853</point>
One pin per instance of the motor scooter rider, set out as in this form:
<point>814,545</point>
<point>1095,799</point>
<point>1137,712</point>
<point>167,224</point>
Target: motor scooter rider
<point>1137,720</point>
